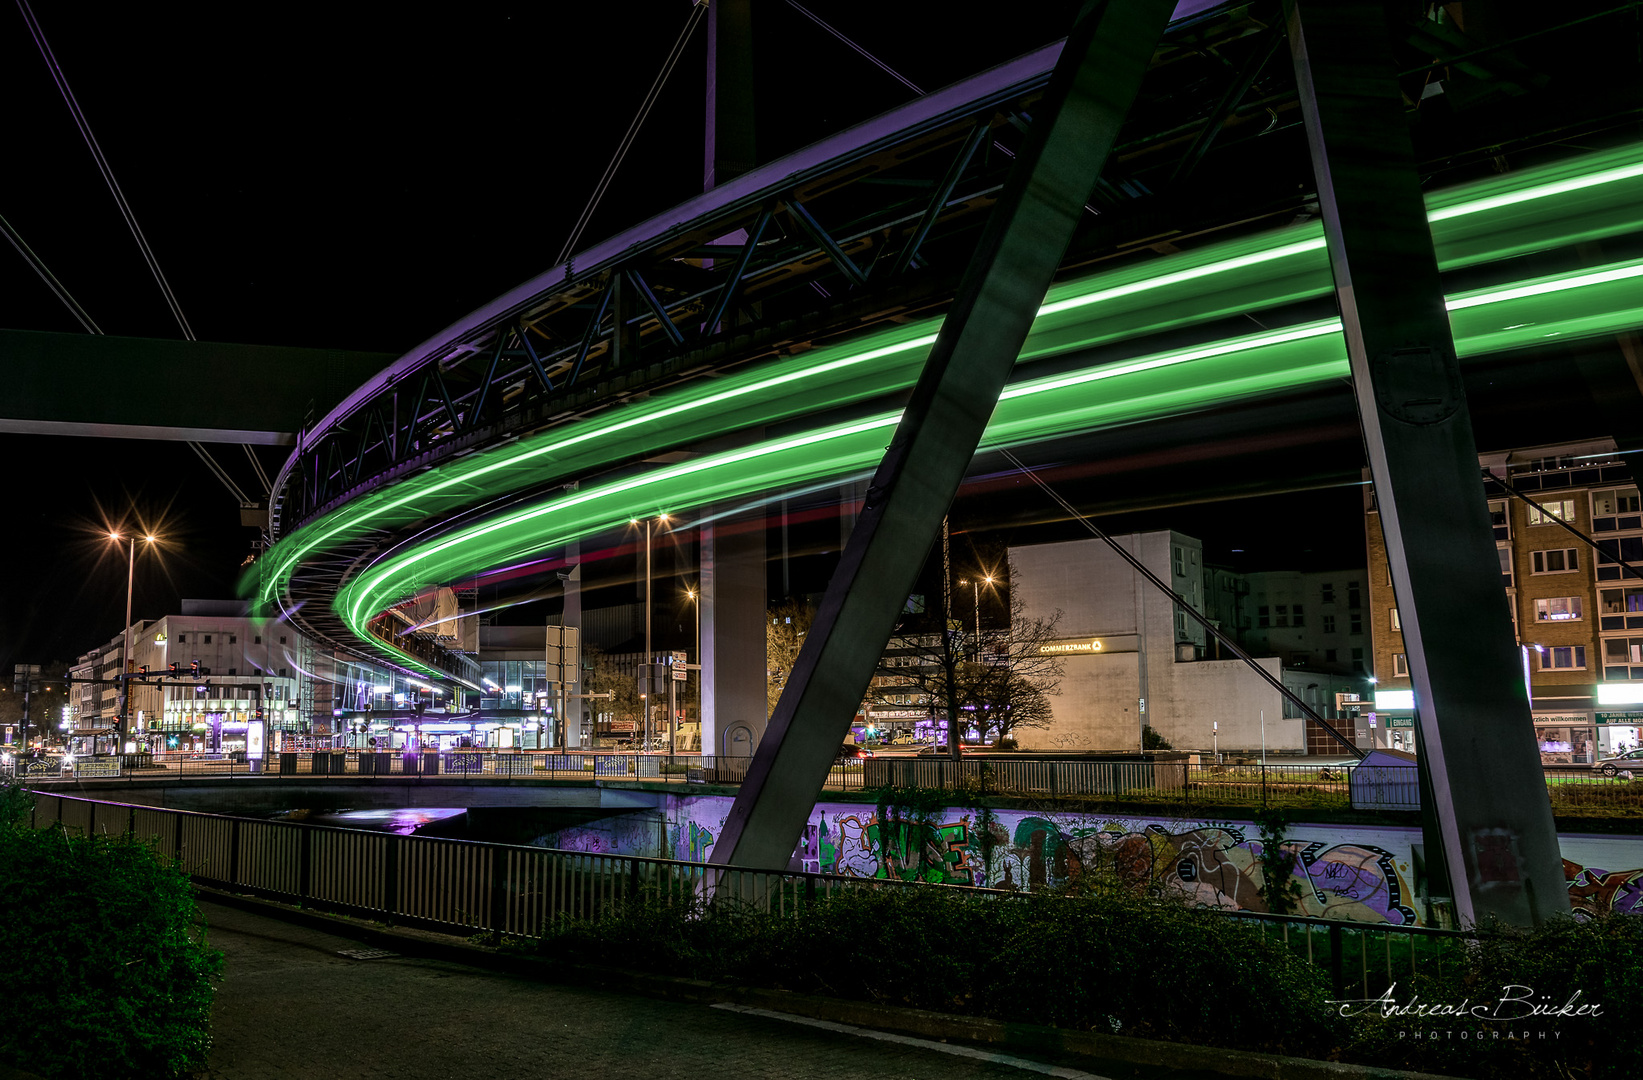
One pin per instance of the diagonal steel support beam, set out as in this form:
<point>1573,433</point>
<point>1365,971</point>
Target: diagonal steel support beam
<point>1026,235</point>
<point>824,239</point>
<point>1477,740</point>
<point>943,192</point>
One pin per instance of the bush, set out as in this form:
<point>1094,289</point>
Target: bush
<point>108,973</point>
<point>1151,740</point>
<point>1601,961</point>
<point>1150,969</point>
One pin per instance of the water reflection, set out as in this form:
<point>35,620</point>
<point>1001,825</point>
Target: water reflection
<point>402,820</point>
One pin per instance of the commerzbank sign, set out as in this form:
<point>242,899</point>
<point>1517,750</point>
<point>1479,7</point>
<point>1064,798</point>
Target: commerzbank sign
<point>1087,646</point>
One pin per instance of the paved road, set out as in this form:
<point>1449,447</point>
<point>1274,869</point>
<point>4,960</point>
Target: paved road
<point>290,1007</point>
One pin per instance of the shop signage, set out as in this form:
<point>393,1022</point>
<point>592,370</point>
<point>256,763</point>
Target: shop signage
<point>1400,721</point>
<point>1627,719</point>
<point>1087,646</point>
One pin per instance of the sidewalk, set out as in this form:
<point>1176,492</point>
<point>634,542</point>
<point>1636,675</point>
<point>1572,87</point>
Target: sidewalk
<point>290,1006</point>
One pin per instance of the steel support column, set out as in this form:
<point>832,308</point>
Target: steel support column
<point>1477,739</point>
<point>1026,235</point>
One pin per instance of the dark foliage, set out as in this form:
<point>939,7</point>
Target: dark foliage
<point>108,974</point>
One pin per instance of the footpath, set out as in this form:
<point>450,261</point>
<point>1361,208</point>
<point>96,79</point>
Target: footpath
<point>297,1003</point>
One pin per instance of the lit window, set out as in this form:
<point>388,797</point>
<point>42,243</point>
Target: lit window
<point>1544,513</point>
<point>1617,501</point>
<point>1396,625</point>
<point>1563,658</point>
<point>1557,609</point>
<point>1400,664</point>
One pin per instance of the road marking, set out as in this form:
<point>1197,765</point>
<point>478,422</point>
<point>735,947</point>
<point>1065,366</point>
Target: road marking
<point>908,1040</point>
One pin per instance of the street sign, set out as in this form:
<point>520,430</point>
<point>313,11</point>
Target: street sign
<point>679,672</point>
<point>679,657</point>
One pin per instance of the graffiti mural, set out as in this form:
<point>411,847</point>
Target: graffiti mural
<point>1594,892</point>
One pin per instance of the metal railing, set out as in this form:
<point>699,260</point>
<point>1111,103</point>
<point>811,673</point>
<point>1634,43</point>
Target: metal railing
<point>468,887</point>
<point>454,886</point>
<point>1165,785</point>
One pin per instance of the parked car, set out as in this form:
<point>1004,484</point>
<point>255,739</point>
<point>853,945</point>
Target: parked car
<point>939,749</point>
<point>853,752</point>
<point>1630,761</point>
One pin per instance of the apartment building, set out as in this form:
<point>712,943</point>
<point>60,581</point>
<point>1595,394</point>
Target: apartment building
<point>1577,613</point>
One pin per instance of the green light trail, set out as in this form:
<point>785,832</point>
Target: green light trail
<point>1595,196</point>
<point>1520,315</point>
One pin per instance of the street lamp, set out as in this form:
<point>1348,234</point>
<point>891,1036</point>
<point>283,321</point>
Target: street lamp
<point>650,658</point>
<point>975,587</point>
<point>125,635</point>
<point>696,605</point>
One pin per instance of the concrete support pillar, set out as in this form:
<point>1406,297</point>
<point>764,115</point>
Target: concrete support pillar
<point>1487,788</point>
<point>733,602</point>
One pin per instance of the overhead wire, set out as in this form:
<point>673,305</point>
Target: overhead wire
<point>57,288</point>
<point>696,11</point>
<point>863,53</point>
<point>103,166</point>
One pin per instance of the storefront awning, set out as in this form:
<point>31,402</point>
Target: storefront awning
<point>86,733</point>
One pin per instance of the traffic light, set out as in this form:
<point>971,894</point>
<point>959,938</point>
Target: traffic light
<point>194,669</point>
<point>259,714</point>
<point>143,671</point>
<point>173,668</point>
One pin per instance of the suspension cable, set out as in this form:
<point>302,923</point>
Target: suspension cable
<point>57,288</point>
<point>103,166</point>
<point>869,57</point>
<point>697,9</point>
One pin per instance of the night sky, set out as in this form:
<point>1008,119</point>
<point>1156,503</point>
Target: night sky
<point>339,176</point>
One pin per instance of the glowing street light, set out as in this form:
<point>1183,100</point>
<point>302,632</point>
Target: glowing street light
<point>125,635</point>
<point>975,587</point>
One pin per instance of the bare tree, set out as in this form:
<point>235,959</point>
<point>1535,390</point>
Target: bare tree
<point>996,681</point>
<point>604,677</point>
<point>784,635</point>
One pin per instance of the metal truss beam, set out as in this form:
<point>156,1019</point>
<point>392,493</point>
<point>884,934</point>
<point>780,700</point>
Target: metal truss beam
<point>1095,81</point>
<point>1477,739</point>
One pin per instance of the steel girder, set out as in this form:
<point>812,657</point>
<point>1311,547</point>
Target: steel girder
<point>1095,81</point>
<point>1477,741</point>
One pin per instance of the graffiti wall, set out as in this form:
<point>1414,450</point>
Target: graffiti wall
<point>1344,872</point>
<point>1357,873</point>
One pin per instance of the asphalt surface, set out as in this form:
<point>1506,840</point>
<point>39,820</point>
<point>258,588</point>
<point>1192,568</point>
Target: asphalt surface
<point>291,1006</point>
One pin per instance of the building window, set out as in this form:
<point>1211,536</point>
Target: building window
<point>1357,660</point>
<point>182,639</point>
<point>1180,626</point>
<point>257,640</point>
<point>1618,501</point>
<point>1329,624</point>
<point>1178,560</point>
<point>1545,513</point>
<point>1353,597</point>
<point>1329,656</point>
<point>1500,520</point>
<point>233,639</point>
<point>1621,601</point>
<point>1300,616</point>
<point>208,639</point>
<point>1505,556</point>
<point>1400,664</point>
<point>231,671</point>
<point>282,639</point>
<point>1556,561</point>
<point>1557,609</point>
<point>1328,592</point>
<point>1301,659</point>
<point>284,673</point>
<point>1396,625</point>
<point>1262,619</point>
<point>1282,615</point>
<point>1356,625</point>
<point>1563,658</point>
<point>1618,656</point>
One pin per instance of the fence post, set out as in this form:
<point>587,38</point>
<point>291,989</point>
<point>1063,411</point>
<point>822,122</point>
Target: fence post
<point>1337,963</point>
<point>1186,787</point>
<point>633,879</point>
<point>390,876</point>
<point>177,840</point>
<point>305,854</point>
<point>1051,765</point>
<point>1263,784</point>
<point>499,889</point>
<point>233,851</point>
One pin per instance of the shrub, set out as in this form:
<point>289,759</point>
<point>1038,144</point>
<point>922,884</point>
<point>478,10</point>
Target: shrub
<point>108,973</point>
<point>1151,740</point>
<point>1110,963</point>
